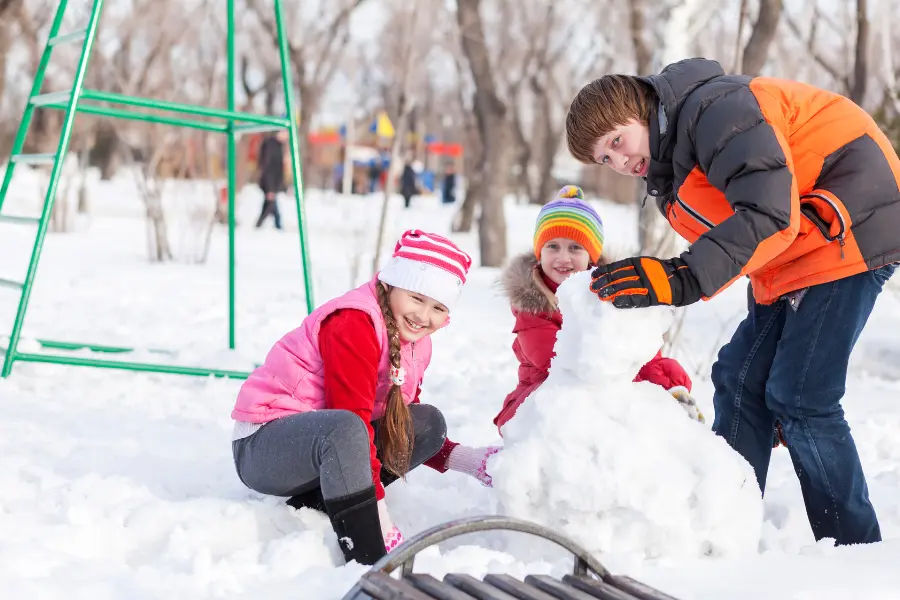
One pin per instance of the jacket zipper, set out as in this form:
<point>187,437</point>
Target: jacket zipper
<point>816,220</point>
<point>697,216</point>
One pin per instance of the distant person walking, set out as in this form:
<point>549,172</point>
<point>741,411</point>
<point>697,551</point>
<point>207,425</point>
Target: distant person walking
<point>408,185</point>
<point>449,192</point>
<point>271,176</point>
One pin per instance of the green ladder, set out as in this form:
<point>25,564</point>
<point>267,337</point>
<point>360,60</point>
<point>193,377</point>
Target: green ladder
<point>230,122</point>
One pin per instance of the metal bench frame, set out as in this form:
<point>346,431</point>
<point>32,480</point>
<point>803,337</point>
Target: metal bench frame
<point>589,579</point>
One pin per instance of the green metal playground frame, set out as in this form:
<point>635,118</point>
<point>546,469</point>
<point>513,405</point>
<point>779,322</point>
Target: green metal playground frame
<point>231,123</point>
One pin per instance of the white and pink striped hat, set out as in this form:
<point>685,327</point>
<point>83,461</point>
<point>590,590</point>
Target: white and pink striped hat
<point>427,264</point>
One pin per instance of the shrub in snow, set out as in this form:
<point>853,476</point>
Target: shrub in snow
<point>618,465</point>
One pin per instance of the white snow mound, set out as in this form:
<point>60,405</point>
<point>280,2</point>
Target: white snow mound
<point>617,465</point>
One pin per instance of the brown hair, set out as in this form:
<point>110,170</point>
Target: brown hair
<point>396,439</point>
<point>601,106</point>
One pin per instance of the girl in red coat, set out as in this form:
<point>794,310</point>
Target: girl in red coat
<point>568,238</point>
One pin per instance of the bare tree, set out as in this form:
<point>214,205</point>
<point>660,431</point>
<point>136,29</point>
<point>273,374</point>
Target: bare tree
<point>315,51</point>
<point>494,132</point>
<point>532,64</point>
<point>464,218</point>
<point>861,54</point>
<point>33,19</point>
<point>637,20</point>
<point>517,46</point>
<point>887,74</point>
<point>655,236</point>
<point>151,189</point>
<point>757,50</point>
<point>852,81</point>
<point>8,10</point>
<point>410,51</point>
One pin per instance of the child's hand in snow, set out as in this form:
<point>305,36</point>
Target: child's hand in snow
<point>473,462</point>
<point>687,402</point>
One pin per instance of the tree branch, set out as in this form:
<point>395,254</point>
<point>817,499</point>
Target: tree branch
<point>811,47</point>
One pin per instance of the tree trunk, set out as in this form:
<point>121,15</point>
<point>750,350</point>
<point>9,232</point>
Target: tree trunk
<point>496,137</point>
<point>738,50</point>
<point>654,233</point>
<point>105,151</point>
<point>307,101</point>
<point>160,249</point>
<point>861,63</point>
<point>84,206</point>
<point>548,142</point>
<point>637,21</point>
<point>523,160</point>
<point>757,50</point>
<point>465,216</point>
<point>7,9</point>
<point>147,180</point>
<point>5,42</point>
<point>405,107</point>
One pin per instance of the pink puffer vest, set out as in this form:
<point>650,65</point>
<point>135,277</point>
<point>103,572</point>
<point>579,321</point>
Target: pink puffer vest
<point>290,380</point>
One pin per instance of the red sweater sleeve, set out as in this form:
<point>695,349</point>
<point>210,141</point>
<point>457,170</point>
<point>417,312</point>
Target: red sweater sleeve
<point>350,355</point>
<point>665,372</point>
<point>537,339</point>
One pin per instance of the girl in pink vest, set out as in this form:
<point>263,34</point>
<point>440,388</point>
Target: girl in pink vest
<point>332,415</point>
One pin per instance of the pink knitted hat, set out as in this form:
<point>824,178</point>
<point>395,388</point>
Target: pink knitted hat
<point>428,264</point>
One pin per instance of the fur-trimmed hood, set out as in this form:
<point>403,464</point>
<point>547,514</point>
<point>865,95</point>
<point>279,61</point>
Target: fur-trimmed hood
<point>524,287</point>
<point>522,283</point>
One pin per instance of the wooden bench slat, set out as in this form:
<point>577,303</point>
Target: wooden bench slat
<point>596,588</point>
<point>637,589</point>
<point>382,586</point>
<point>556,588</point>
<point>476,587</point>
<point>436,589</point>
<point>517,588</point>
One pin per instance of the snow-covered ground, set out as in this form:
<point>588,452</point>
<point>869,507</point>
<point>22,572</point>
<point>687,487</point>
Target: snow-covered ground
<point>121,485</point>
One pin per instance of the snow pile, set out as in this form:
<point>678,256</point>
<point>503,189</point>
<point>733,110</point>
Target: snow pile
<point>617,465</point>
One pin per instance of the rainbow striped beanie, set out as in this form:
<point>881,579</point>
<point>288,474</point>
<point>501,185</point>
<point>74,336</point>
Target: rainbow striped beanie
<point>569,216</point>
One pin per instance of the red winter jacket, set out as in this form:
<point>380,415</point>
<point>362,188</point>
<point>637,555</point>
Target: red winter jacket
<point>531,296</point>
<point>350,357</point>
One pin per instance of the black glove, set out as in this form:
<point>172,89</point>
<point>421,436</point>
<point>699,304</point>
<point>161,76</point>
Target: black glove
<point>645,281</point>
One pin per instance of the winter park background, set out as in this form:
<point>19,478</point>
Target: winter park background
<point>121,485</point>
<point>118,485</point>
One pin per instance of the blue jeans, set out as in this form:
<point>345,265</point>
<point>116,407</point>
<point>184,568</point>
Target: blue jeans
<point>788,363</point>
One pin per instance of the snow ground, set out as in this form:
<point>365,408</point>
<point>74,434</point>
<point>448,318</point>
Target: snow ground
<point>120,485</point>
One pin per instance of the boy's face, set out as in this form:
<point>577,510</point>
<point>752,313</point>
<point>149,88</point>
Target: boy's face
<point>625,149</point>
<point>416,315</point>
<point>560,257</point>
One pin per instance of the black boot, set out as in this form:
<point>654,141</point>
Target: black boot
<point>355,521</point>
<point>311,499</point>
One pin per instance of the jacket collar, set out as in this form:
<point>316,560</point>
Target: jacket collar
<point>672,86</point>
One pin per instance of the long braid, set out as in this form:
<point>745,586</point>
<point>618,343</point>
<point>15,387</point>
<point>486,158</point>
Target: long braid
<point>397,439</point>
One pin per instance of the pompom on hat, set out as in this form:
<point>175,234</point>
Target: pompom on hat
<point>569,216</point>
<point>427,264</point>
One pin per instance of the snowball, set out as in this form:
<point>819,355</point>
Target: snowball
<point>618,465</point>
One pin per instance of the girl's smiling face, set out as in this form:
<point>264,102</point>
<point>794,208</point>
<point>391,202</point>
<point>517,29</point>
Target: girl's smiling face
<point>416,315</point>
<point>560,257</point>
<point>625,149</point>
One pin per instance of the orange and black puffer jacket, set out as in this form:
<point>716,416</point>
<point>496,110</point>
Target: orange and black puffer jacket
<point>787,183</point>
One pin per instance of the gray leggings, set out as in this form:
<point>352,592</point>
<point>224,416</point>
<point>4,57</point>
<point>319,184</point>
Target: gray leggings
<point>327,449</point>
